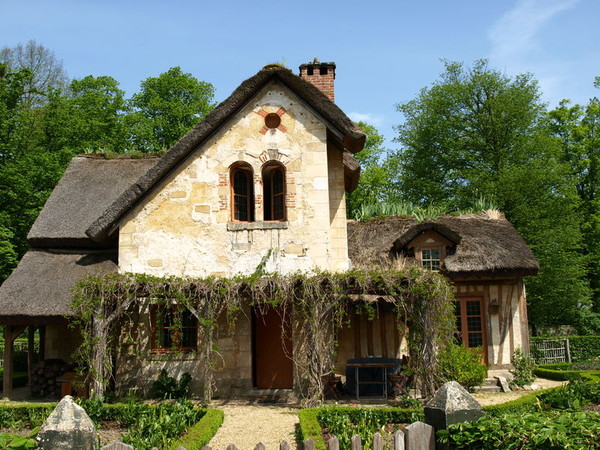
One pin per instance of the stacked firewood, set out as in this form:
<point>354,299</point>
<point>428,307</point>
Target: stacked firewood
<point>44,375</point>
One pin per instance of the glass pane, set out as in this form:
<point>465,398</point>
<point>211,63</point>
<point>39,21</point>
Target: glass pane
<point>426,254</point>
<point>277,181</point>
<point>278,207</point>
<point>474,323</point>
<point>240,208</point>
<point>164,338</point>
<point>435,254</point>
<point>240,183</point>
<point>475,339</point>
<point>189,338</point>
<point>473,308</point>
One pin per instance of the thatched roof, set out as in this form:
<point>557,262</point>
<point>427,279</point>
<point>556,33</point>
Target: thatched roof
<point>351,137</point>
<point>88,187</point>
<point>39,289</point>
<point>483,246</point>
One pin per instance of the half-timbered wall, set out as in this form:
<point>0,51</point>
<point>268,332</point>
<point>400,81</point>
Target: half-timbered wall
<point>505,316</point>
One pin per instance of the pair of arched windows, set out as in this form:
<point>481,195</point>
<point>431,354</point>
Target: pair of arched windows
<point>242,192</point>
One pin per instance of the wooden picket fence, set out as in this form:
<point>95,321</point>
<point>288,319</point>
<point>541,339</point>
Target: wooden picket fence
<point>417,436</point>
<point>551,351</point>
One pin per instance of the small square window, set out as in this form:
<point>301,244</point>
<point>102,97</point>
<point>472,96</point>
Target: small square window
<point>174,329</point>
<point>431,258</point>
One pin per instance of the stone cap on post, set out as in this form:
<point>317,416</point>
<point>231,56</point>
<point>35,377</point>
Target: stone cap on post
<point>452,404</point>
<point>67,427</point>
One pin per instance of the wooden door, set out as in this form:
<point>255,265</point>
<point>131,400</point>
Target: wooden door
<point>470,323</point>
<point>273,366</point>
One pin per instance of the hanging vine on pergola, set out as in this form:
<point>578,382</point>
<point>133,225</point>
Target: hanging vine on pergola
<point>422,299</point>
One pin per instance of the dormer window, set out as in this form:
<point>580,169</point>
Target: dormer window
<point>242,186</point>
<point>431,258</point>
<point>273,176</point>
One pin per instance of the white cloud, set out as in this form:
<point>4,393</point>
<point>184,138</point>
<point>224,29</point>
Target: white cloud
<point>372,119</point>
<point>513,36</point>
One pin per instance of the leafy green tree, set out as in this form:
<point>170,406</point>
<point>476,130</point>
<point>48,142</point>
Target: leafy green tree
<point>12,89</point>
<point>89,119</point>
<point>479,133</point>
<point>377,171</point>
<point>578,130</point>
<point>166,108</point>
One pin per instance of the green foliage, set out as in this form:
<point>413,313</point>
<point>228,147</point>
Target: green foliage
<point>376,174</point>
<point>202,432</point>
<point>321,300</point>
<point>551,430</point>
<point>16,441</point>
<point>169,387</point>
<point>166,108</point>
<point>309,427</point>
<point>477,132</point>
<point>344,422</point>
<point>29,415</point>
<point>160,426</point>
<point>523,368</point>
<point>462,364</point>
<point>573,396</point>
<point>20,379</point>
<point>577,128</point>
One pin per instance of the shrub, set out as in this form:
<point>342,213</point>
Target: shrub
<point>524,368</point>
<point>344,422</point>
<point>169,387</point>
<point>462,364</point>
<point>551,430</point>
<point>201,433</point>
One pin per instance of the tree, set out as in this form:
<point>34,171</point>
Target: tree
<point>47,70</point>
<point>376,173</point>
<point>578,130</point>
<point>12,89</point>
<point>166,108</point>
<point>479,133</point>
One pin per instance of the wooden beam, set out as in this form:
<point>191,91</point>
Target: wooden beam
<point>42,354</point>
<point>30,350</point>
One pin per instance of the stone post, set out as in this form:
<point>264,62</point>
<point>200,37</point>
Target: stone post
<point>451,404</point>
<point>67,427</point>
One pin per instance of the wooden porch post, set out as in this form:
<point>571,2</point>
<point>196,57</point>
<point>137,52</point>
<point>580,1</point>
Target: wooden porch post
<point>11,332</point>
<point>30,350</point>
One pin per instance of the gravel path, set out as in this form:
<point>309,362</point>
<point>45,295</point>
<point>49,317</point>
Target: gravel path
<point>246,425</point>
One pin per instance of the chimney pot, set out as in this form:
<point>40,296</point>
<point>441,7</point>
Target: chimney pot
<point>321,75</point>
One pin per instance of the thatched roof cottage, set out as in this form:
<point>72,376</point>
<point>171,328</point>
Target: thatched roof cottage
<point>267,168</point>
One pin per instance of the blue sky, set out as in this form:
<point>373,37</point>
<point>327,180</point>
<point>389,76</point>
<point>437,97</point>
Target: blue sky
<point>385,51</point>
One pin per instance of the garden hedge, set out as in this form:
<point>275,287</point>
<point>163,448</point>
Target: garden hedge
<point>202,432</point>
<point>583,348</point>
<point>563,372</point>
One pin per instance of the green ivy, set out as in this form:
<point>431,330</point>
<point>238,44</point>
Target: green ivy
<point>320,301</point>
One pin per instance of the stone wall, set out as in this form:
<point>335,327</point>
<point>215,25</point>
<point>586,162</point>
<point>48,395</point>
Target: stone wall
<point>138,367</point>
<point>185,227</point>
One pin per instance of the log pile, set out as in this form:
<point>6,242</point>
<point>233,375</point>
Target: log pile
<point>44,375</point>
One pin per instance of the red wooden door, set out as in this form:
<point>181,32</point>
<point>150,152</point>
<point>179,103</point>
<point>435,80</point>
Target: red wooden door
<point>273,349</point>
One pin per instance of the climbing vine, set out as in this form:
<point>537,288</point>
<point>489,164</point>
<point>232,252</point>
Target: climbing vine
<point>319,304</point>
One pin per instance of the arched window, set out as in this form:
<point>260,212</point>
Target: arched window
<point>273,176</point>
<point>242,193</point>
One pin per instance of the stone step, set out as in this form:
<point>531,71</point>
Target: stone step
<point>488,385</point>
<point>270,395</point>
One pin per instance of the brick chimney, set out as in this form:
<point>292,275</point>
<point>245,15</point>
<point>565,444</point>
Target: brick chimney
<point>322,75</point>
